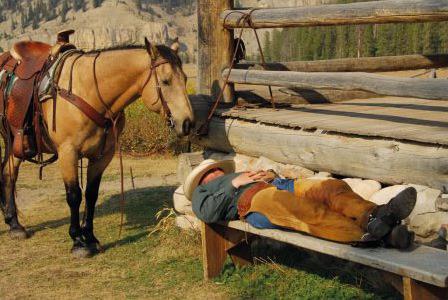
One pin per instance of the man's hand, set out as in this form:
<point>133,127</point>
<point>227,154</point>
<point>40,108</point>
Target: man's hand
<point>267,176</point>
<point>249,177</point>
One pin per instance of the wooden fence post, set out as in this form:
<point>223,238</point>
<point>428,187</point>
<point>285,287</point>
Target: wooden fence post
<point>215,47</point>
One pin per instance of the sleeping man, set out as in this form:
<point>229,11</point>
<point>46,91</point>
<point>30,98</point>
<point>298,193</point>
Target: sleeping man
<point>325,208</point>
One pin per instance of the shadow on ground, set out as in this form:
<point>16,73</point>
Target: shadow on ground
<point>140,208</point>
<point>280,254</point>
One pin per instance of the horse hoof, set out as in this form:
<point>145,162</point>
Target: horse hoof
<point>18,234</point>
<point>95,248</point>
<point>81,252</point>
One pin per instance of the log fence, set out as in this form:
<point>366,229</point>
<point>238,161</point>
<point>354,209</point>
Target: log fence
<point>216,25</point>
<point>217,21</point>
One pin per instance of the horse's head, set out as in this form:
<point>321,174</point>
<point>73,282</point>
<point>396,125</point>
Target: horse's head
<point>164,88</point>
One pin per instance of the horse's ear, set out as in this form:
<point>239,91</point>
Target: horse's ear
<point>175,45</point>
<point>152,49</point>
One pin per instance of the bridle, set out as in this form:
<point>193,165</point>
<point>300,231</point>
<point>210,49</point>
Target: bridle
<point>152,71</point>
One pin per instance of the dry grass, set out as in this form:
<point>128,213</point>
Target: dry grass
<point>132,266</point>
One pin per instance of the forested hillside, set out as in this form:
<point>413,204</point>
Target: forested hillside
<point>356,41</point>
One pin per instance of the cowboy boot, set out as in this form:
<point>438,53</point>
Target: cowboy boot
<point>385,217</point>
<point>400,238</point>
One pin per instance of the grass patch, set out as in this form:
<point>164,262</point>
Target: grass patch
<point>285,272</point>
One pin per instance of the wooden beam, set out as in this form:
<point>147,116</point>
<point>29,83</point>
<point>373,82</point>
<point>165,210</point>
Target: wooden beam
<point>218,241</point>
<point>433,89</point>
<point>387,161</point>
<point>213,250</point>
<point>415,290</point>
<point>363,64</point>
<point>215,48</point>
<point>374,12</point>
<point>426,265</point>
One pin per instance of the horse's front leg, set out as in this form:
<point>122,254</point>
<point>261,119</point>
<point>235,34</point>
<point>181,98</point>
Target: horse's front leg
<point>95,171</point>
<point>68,162</point>
<point>10,170</point>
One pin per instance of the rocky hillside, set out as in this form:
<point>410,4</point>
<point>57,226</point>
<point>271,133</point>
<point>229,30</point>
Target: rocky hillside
<point>282,3</point>
<point>99,24</point>
<point>103,24</point>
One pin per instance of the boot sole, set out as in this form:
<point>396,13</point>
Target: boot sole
<point>400,238</point>
<point>403,203</point>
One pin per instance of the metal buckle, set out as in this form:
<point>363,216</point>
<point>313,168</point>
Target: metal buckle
<point>171,122</point>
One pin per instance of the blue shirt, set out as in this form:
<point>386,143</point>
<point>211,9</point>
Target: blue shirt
<point>284,184</point>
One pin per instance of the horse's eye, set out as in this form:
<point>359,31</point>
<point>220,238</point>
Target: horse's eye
<point>166,82</point>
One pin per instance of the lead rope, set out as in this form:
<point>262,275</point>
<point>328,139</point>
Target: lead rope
<point>245,18</point>
<point>117,142</point>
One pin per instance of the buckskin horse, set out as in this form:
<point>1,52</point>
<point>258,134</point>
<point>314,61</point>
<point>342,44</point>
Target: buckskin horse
<point>83,116</point>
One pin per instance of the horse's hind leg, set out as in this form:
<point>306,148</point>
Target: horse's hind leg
<point>10,171</point>
<point>68,163</point>
<point>95,171</point>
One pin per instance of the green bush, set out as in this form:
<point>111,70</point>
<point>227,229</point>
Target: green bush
<point>146,132</point>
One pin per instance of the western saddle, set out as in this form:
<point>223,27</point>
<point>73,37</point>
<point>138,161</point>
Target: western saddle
<point>23,71</point>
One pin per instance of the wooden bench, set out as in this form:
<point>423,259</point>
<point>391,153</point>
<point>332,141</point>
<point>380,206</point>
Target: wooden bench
<point>420,273</point>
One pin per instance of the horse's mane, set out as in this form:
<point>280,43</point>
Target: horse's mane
<point>165,51</point>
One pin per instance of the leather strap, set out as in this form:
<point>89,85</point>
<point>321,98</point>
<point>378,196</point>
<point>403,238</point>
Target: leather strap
<point>245,199</point>
<point>86,108</point>
<point>166,109</point>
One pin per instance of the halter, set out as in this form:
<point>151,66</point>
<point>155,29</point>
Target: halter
<point>166,110</point>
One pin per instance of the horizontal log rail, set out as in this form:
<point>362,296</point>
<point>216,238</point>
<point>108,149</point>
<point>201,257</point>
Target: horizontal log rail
<point>364,64</point>
<point>374,12</point>
<point>433,89</point>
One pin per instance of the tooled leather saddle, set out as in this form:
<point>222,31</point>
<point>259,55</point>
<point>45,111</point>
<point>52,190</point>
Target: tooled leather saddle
<point>24,76</point>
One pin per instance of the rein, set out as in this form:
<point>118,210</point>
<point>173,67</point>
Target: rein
<point>166,110</point>
<point>246,18</point>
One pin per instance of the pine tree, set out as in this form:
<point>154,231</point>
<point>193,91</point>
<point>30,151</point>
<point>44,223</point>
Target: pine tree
<point>267,46</point>
<point>97,3</point>
<point>79,4</point>
<point>64,10</point>
<point>369,48</point>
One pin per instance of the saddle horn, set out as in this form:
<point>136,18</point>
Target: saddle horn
<point>64,36</point>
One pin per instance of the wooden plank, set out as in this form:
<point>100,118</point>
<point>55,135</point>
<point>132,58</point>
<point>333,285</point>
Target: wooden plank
<point>363,64</point>
<point>433,89</point>
<point>421,263</point>
<point>213,251</point>
<point>403,118</point>
<point>414,290</point>
<point>387,161</point>
<point>217,242</point>
<point>374,12</point>
<point>215,48</point>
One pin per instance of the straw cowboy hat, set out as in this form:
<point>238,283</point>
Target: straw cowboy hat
<point>192,181</point>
